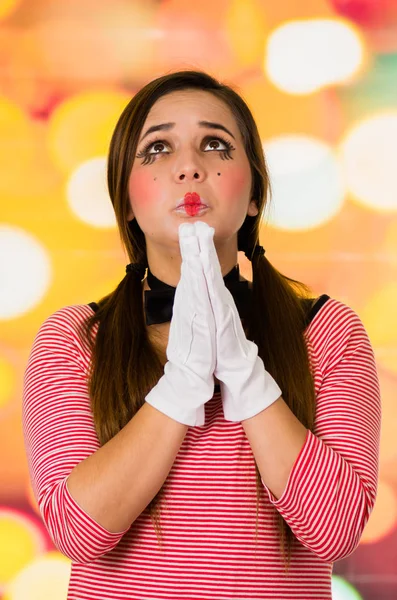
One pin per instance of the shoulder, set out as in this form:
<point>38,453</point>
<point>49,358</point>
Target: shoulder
<point>65,328</point>
<point>335,331</point>
<point>68,319</point>
<point>329,314</point>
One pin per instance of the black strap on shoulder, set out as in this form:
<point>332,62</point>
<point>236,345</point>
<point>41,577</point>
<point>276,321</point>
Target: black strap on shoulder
<point>316,307</point>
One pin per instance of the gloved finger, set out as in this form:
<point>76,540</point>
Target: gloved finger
<point>210,262</point>
<point>192,271</point>
<point>187,241</point>
<point>222,301</point>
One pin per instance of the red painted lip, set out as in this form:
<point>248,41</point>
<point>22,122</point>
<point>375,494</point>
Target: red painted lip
<point>191,199</point>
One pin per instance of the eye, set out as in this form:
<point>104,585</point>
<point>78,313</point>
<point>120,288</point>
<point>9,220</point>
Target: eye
<point>149,156</point>
<point>224,142</point>
<point>155,145</point>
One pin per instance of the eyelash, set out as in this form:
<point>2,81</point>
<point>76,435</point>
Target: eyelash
<point>225,154</point>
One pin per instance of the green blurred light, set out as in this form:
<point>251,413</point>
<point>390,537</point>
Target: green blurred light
<point>374,92</point>
<point>343,590</point>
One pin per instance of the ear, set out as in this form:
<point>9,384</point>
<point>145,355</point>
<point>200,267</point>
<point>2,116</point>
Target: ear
<point>252,209</point>
<point>130,214</point>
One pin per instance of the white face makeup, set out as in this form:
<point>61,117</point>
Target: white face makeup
<point>190,142</point>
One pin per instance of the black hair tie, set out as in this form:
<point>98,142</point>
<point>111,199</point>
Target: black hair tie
<point>138,268</point>
<point>253,253</point>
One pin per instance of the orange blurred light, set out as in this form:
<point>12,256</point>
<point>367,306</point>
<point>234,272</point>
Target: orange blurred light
<point>383,518</point>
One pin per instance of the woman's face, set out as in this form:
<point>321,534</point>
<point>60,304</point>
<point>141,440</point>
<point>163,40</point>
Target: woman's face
<point>188,156</point>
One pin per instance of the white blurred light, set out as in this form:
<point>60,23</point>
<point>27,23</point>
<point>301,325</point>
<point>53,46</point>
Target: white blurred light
<point>306,181</point>
<point>88,195</point>
<point>45,578</point>
<point>343,590</point>
<point>304,56</point>
<point>369,156</point>
<point>25,272</point>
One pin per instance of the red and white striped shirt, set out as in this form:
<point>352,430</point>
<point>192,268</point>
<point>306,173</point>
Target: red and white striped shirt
<point>209,523</point>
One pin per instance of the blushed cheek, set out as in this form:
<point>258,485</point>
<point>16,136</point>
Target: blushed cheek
<point>143,191</point>
<point>235,184</point>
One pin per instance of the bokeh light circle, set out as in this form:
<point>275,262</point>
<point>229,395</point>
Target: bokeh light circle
<point>45,578</point>
<point>88,195</point>
<point>306,55</point>
<point>306,181</point>
<point>369,156</point>
<point>25,271</point>
<point>343,590</point>
<point>81,127</point>
<point>22,539</point>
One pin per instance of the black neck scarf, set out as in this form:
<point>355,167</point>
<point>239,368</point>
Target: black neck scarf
<point>159,300</point>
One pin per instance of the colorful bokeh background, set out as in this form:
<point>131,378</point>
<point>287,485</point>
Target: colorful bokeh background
<point>321,79</point>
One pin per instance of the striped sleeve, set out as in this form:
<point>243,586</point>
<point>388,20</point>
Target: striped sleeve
<point>59,433</point>
<point>332,487</point>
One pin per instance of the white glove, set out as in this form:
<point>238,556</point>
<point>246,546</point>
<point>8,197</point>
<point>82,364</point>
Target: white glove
<point>188,380</point>
<point>246,387</point>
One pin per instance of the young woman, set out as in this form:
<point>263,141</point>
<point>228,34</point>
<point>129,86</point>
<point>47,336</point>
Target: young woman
<point>193,434</point>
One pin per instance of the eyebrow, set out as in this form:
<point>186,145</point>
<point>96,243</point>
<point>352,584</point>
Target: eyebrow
<point>168,126</point>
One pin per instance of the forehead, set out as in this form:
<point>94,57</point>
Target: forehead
<point>197,104</point>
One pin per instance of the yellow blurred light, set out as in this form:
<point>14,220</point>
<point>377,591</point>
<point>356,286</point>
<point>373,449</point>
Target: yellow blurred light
<point>380,319</point>
<point>304,56</point>
<point>7,382</point>
<point>17,145</point>
<point>26,274</point>
<point>88,195</point>
<point>21,541</point>
<point>246,28</point>
<point>369,156</point>
<point>45,578</point>
<point>7,7</point>
<point>383,518</point>
<point>302,170</point>
<point>81,127</point>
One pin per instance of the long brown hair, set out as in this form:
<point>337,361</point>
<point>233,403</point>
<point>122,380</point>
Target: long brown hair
<point>125,364</point>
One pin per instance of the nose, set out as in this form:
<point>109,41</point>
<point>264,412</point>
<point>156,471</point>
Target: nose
<point>189,168</point>
<point>185,175</point>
